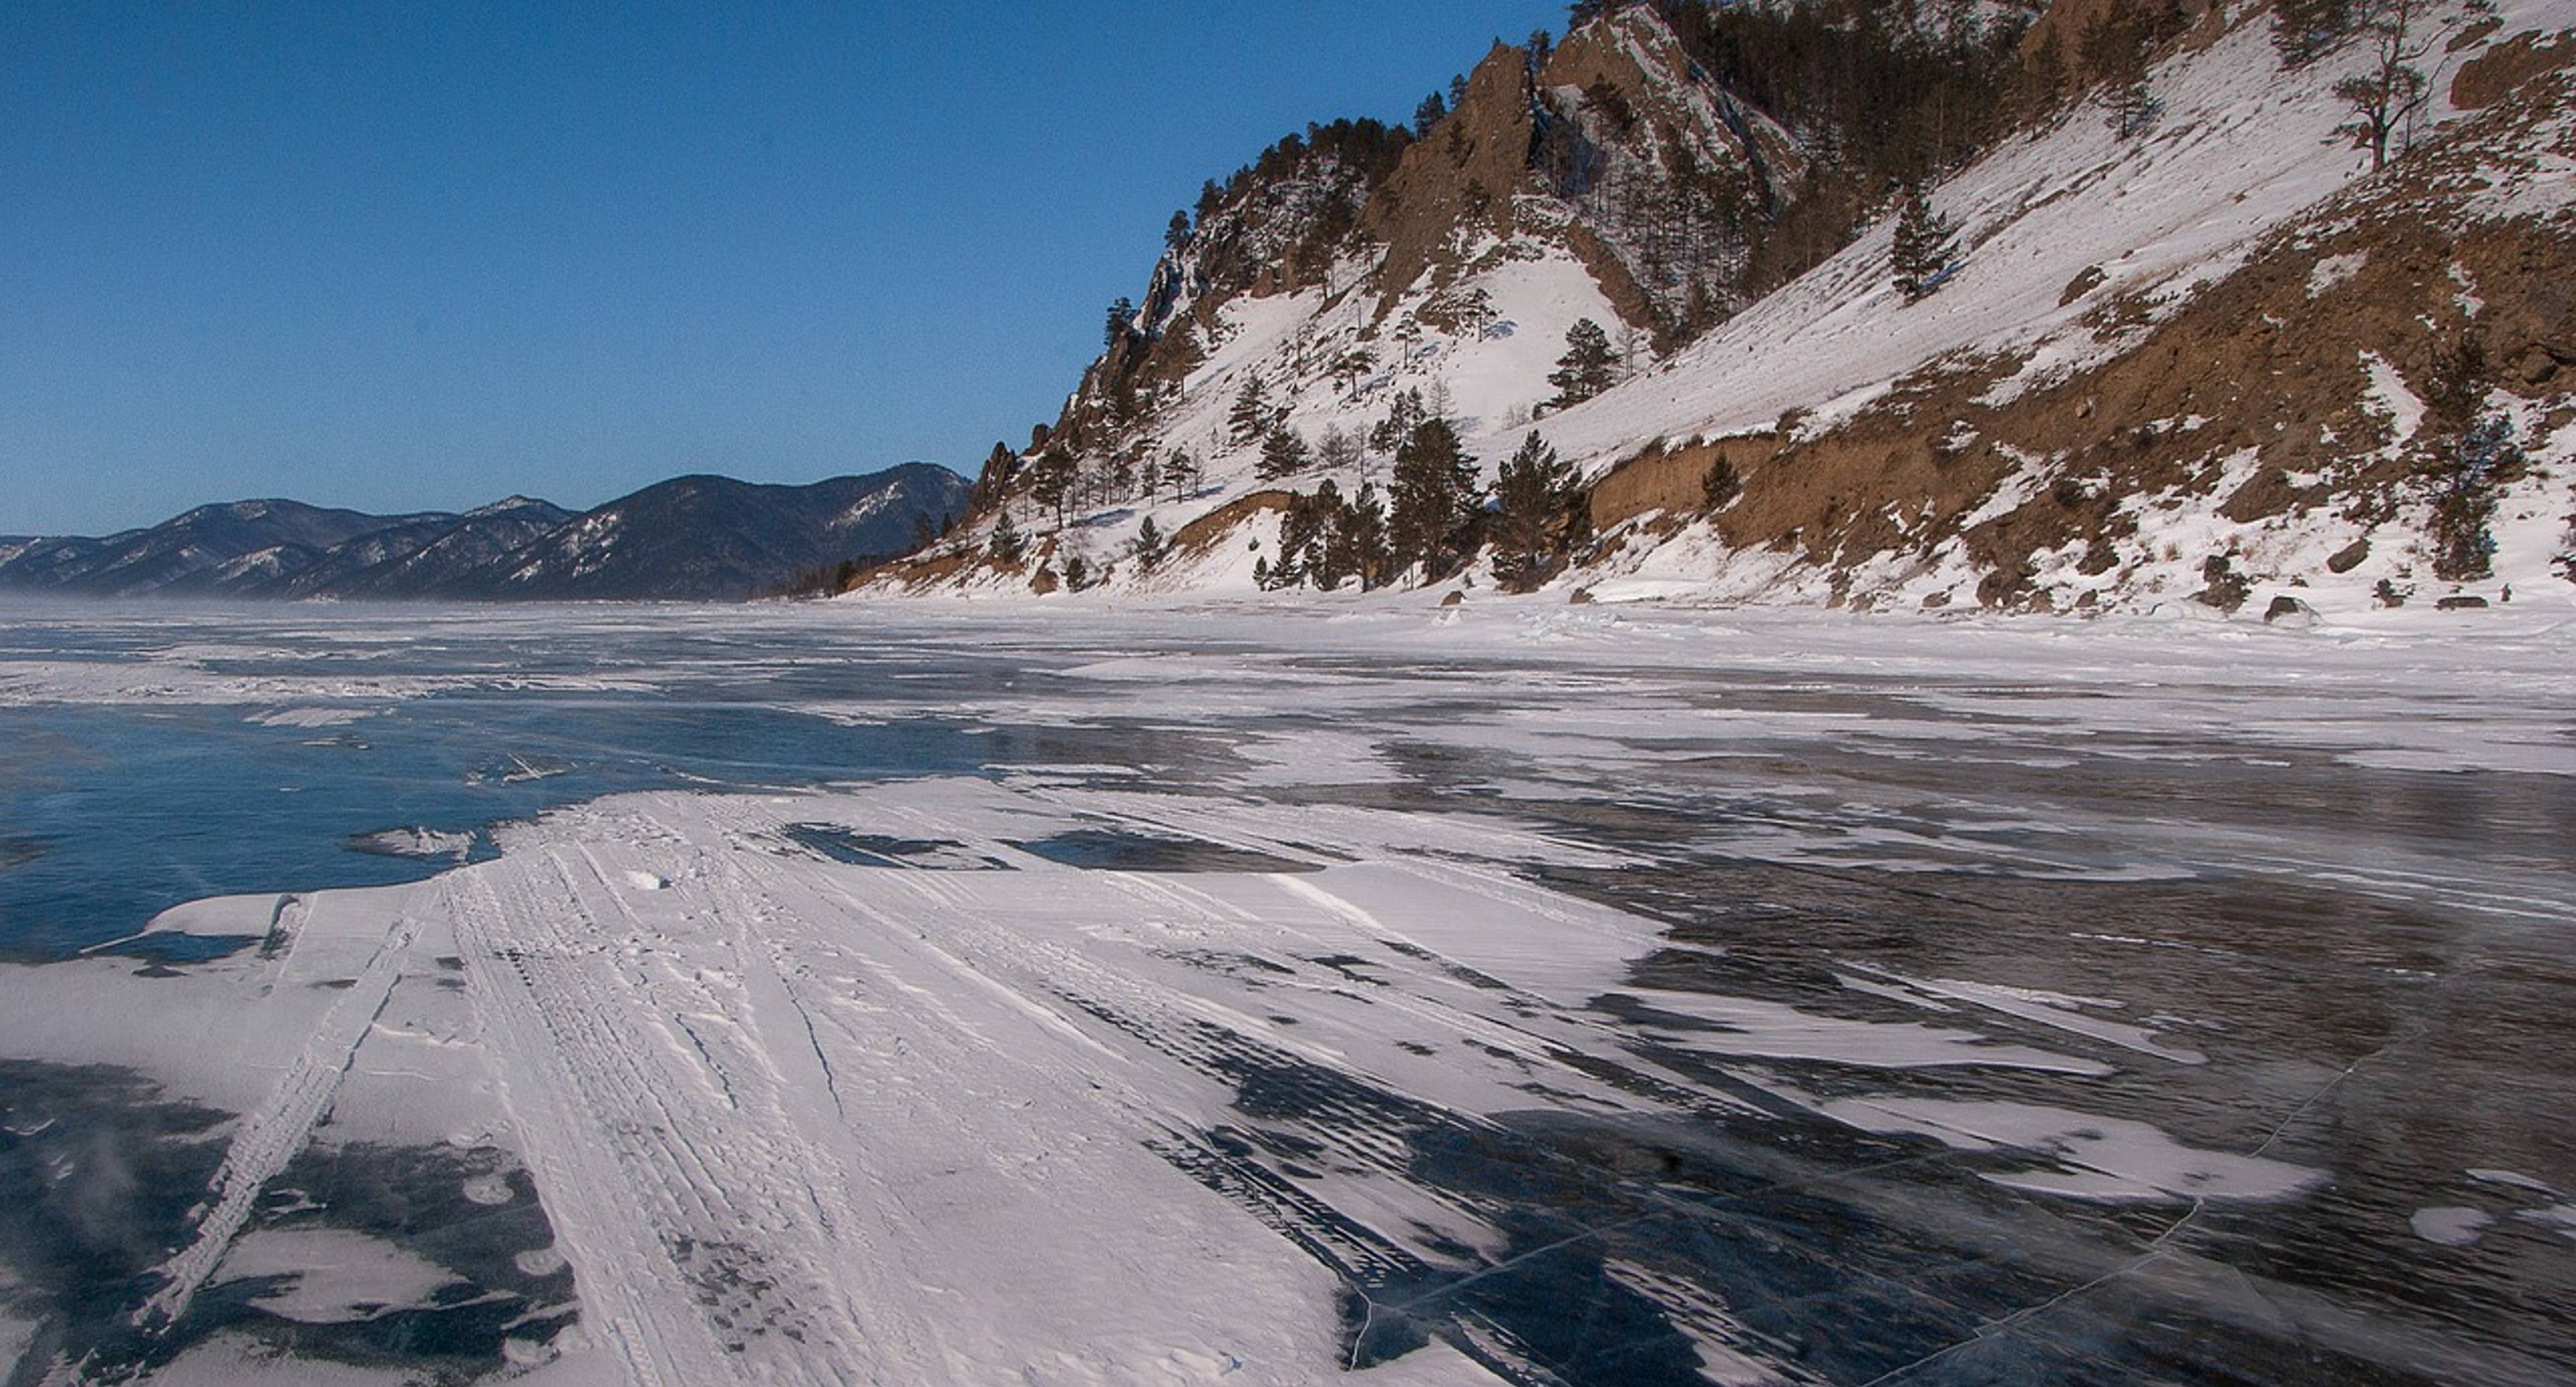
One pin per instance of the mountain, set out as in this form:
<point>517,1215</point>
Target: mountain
<point>694,538</point>
<point>210,549</point>
<point>712,538</point>
<point>2183,348</point>
<point>430,559</point>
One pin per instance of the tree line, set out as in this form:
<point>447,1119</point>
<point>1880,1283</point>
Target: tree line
<point>1434,518</point>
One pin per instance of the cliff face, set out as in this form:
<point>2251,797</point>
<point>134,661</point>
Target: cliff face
<point>2190,361</point>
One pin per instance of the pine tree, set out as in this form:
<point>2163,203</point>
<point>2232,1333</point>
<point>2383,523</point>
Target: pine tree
<point>1342,556</point>
<point>1150,547</point>
<point>1364,531</point>
<point>1305,539</point>
<point>2044,76</point>
<point>1181,474</point>
<point>2303,30</point>
<point>2119,48</point>
<point>1006,546</point>
<point>1176,237</point>
<point>2132,107</point>
<point>1121,324</point>
<point>1403,416</point>
<point>1535,501</point>
<point>1353,367</point>
<point>1719,486</point>
<point>1250,419</point>
<point>1429,114</point>
<point>1051,484</point>
<point>1925,249</point>
<point>2469,454</point>
<point>1283,454</point>
<point>1435,500</point>
<point>1582,12</point>
<point>1586,368</point>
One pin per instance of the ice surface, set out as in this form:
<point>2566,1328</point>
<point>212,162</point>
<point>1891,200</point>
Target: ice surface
<point>2451,1225</point>
<point>2085,1155</point>
<point>1699,978</point>
<point>329,1274</point>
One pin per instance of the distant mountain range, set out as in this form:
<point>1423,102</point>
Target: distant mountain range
<point>697,538</point>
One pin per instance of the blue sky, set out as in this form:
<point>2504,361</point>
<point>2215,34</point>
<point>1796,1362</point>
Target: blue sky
<point>409,256</point>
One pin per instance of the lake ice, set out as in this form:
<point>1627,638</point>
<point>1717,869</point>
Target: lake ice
<point>1280,995</point>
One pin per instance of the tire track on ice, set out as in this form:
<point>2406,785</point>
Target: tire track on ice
<point>722,1224</point>
<point>269,1136</point>
<point>633,1295</point>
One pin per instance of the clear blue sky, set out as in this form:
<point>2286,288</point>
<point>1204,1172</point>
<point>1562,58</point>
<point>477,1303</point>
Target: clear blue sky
<point>406,256</point>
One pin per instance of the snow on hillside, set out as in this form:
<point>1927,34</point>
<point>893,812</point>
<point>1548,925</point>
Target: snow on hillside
<point>2055,224</point>
<point>2242,150</point>
<point>1515,309</point>
<point>2242,147</point>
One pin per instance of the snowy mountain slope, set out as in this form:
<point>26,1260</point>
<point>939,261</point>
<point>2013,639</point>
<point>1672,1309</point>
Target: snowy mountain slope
<point>208,549</point>
<point>2153,328</point>
<point>2080,251</point>
<point>714,538</point>
<point>1610,177</point>
<point>432,563</point>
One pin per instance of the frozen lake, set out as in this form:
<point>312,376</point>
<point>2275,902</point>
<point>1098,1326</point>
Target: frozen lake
<point>1283,995</point>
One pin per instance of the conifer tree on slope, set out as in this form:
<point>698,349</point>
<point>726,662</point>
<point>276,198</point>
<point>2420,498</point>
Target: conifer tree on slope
<point>1926,247</point>
<point>1585,369</point>
<point>1435,500</point>
<point>1362,527</point>
<point>2468,454</point>
<point>2302,30</point>
<point>1535,508</point>
<point>1402,418</point>
<point>1250,418</point>
<point>1051,485</point>
<point>1428,115</point>
<point>1283,454</point>
<point>1583,12</point>
<point>1006,546</point>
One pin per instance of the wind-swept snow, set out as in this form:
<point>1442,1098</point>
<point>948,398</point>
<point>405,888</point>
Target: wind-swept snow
<point>1406,988</point>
